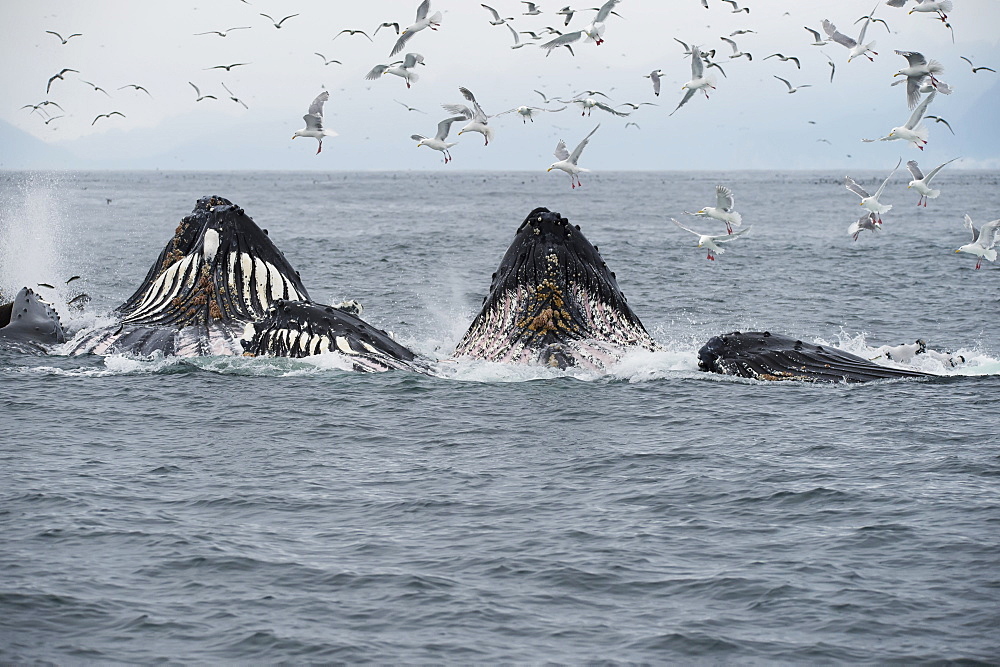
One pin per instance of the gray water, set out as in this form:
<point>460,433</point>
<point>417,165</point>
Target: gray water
<point>217,509</point>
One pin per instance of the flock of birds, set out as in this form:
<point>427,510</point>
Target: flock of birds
<point>922,78</point>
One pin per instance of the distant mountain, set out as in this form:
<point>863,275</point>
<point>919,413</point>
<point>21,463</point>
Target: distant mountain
<point>20,150</point>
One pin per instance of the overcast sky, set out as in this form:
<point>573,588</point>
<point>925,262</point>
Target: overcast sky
<point>750,121</point>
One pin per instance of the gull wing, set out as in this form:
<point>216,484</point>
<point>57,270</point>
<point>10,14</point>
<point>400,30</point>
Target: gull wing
<point>411,60</point>
<point>878,193</point>
<point>479,115</point>
<point>971,227</point>
<point>496,17</point>
<point>912,57</point>
<point>605,107</point>
<point>417,137</point>
<point>918,113</point>
<point>605,9</point>
<point>852,185</point>
<point>839,37</point>
<point>444,126</point>
<point>656,82</point>
<point>460,109</point>
<point>731,43</point>
<point>936,169</point>
<point>316,108</point>
<point>915,170</point>
<point>815,34</point>
<point>402,40</point>
<point>785,82</point>
<point>422,10</point>
<point>697,65</point>
<point>376,72</point>
<point>988,234</point>
<point>688,95</point>
<point>868,20</point>
<point>686,229</point>
<point>562,40</point>
<point>724,198</point>
<point>561,153</point>
<point>575,155</point>
<point>725,238</point>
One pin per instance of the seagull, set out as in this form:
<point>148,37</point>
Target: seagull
<point>53,118</point>
<point>438,143</point>
<point>534,35</point>
<point>223,33</point>
<point>546,99</point>
<point>136,86</point>
<point>75,34</point>
<point>742,32</point>
<point>634,124</point>
<point>817,40</point>
<point>568,12</point>
<point>358,32</point>
<point>423,21</point>
<point>38,107</point>
<point>59,76</point>
<point>921,183</point>
<point>983,240</point>
<point>393,25</point>
<point>833,67</point>
<point>698,79</point>
<point>233,97</point>
<point>96,87</point>
<point>976,69</point>
<point>228,68</point>
<point>568,161</point>
<point>528,113</point>
<point>409,108</point>
<point>784,58</point>
<point>588,104</point>
<point>108,115</point>
<point>517,40</point>
<point>709,241</point>
<point>871,202</point>
<point>325,61</point>
<point>593,32</point>
<point>913,131</point>
<point>867,221</point>
<point>791,88</point>
<point>874,20</point>
<point>314,121</point>
<point>917,70</point>
<point>402,68</point>
<point>736,8</point>
<point>723,209</point>
<point>939,6</point>
<point>532,8</point>
<point>200,96</point>
<point>475,114</point>
<point>736,50</point>
<point>938,119</point>
<point>857,47</point>
<point>636,106</point>
<point>496,17</point>
<point>277,24</point>
<point>654,76</point>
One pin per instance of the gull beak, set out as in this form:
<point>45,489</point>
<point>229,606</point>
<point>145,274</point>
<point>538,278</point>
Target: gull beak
<point>549,169</point>
<point>293,136</point>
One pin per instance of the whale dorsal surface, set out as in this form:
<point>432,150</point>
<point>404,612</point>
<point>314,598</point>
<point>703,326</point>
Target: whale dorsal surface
<point>553,301</point>
<point>762,355</point>
<point>29,324</point>
<point>218,272</point>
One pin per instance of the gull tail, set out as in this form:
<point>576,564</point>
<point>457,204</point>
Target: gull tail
<point>990,254</point>
<point>947,6</point>
<point>737,219</point>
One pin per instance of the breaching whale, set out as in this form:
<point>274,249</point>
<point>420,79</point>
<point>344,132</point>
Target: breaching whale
<point>221,287</point>
<point>553,301</point>
<point>217,276</point>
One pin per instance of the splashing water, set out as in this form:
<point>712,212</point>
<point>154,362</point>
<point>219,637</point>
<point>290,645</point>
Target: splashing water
<point>31,234</point>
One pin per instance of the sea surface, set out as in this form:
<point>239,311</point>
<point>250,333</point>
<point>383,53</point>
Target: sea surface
<point>218,510</point>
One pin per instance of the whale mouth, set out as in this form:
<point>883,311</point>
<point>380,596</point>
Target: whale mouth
<point>218,272</point>
<point>553,301</point>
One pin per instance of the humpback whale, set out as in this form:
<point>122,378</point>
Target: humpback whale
<point>221,287</point>
<point>29,324</point>
<point>762,355</point>
<point>553,301</point>
<point>219,280</point>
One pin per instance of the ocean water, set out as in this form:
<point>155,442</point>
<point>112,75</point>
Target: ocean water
<point>236,510</point>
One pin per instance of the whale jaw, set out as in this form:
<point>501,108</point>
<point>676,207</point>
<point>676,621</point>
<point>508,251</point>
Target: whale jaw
<point>218,272</point>
<point>301,329</point>
<point>29,324</point>
<point>553,301</point>
<point>761,355</point>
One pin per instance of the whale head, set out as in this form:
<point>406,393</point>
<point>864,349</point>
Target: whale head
<point>553,301</point>
<point>29,324</point>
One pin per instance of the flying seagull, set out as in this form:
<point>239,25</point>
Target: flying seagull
<point>976,69</point>
<point>277,24</point>
<point>496,16</point>
<point>223,33</point>
<point>913,131</point>
<point>325,61</point>
<point>871,202</point>
<point>856,47</point>
<point>75,34</point>
<point>423,21</point>
<point>528,113</point>
<point>402,68</point>
<point>922,184</point>
<point>200,96</point>
<point>59,76</point>
<point>314,121</point>
<point>233,97</point>
<point>439,141</point>
<point>568,161</point>
<point>709,241</point>
<point>136,86</point>
<point>479,119</point>
<point>354,32</point>
<point>228,68</point>
<point>791,88</point>
<point>96,87</point>
<point>723,209</point>
<point>698,79</point>
<point>983,240</point>
<point>108,115</point>
<point>654,76</point>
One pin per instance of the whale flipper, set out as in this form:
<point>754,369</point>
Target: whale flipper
<point>762,355</point>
